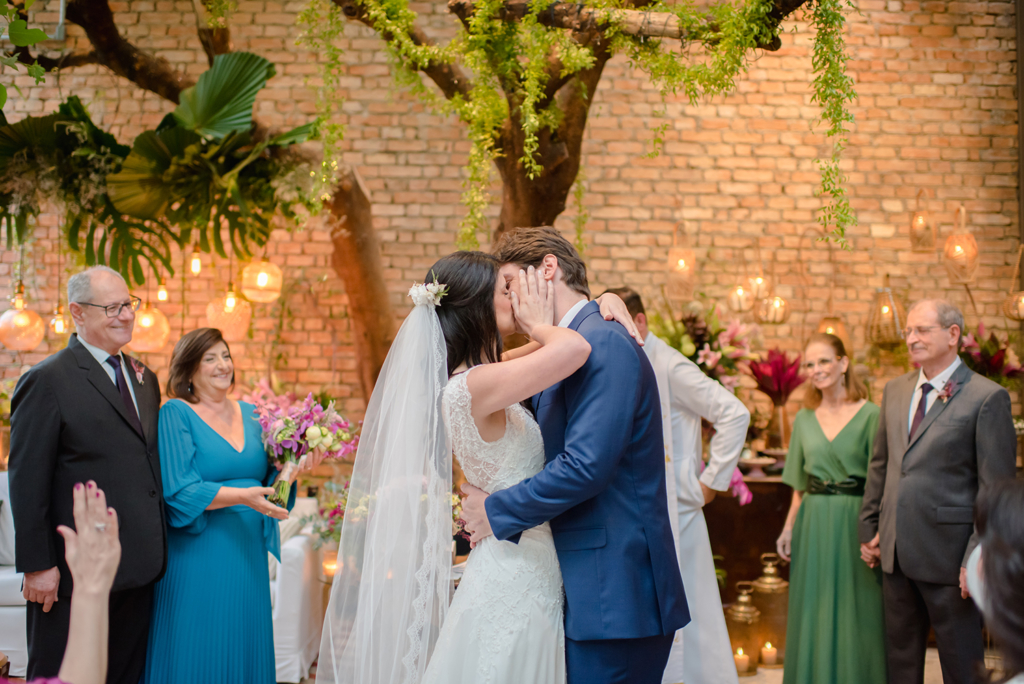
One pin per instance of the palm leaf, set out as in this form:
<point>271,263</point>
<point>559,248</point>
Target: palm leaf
<point>38,132</point>
<point>139,188</point>
<point>294,136</point>
<point>223,98</point>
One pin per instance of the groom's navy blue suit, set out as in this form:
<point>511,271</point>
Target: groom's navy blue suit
<point>603,489</point>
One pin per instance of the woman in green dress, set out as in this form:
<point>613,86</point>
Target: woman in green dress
<point>836,630</point>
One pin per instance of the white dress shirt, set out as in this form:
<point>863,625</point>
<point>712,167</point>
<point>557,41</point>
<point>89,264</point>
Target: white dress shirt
<point>571,313</point>
<point>102,357</point>
<point>937,383</point>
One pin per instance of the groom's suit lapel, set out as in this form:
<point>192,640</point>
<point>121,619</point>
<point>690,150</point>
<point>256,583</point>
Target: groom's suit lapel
<point>588,309</point>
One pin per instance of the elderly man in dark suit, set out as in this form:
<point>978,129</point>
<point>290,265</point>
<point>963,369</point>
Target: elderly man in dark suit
<point>88,414</point>
<point>944,433</point>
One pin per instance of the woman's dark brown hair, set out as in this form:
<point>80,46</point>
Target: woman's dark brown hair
<point>855,389</point>
<point>188,354</point>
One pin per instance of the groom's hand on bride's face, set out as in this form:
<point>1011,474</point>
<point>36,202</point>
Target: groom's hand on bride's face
<point>474,513</point>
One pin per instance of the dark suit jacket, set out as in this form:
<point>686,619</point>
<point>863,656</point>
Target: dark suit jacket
<point>920,493</point>
<point>69,425</point>
<point>603,489</point>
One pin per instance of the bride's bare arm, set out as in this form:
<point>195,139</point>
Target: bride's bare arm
<point>559,354</point>
<point>612,309</point>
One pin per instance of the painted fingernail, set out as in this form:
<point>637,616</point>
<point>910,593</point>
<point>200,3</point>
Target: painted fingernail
<point>97,493</point>
<point>78,487</point>
<point>110,511</point>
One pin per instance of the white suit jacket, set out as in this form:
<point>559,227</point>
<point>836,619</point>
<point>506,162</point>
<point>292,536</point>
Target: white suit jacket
<point>701,653</point>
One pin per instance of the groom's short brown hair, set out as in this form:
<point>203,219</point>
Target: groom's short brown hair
<point>528,247</point>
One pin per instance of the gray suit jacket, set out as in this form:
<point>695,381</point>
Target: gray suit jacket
<point>920,493</point>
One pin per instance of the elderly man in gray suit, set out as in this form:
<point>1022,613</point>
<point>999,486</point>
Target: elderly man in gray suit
<point>944,433</point>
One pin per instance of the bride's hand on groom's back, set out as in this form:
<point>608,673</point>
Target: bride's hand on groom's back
<point>614,309</point>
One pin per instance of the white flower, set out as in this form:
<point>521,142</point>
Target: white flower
<point>431,294</point>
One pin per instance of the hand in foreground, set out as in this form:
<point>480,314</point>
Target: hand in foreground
<point>253,497</point>
<point>708,492</point>
<point>870,553</point>
<point>784,544</point>
<point>534,304</point>
<point>93,548</point>
<point>614,309</point>
<point>964,591</point>
<point>41,587</point>
<point>475,514</point>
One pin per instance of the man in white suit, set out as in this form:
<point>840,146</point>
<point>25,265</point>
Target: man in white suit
<point>701,653</point>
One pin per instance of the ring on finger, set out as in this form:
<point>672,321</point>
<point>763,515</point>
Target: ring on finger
<point>101,527</point>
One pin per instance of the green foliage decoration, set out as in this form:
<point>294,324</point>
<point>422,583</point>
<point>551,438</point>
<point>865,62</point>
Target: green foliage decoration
<point>199,172</point>
<point>20,35</point>
<point>509,59</point>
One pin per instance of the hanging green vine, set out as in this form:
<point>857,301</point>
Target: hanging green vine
<point>509,61</point>
<point>833,92</point>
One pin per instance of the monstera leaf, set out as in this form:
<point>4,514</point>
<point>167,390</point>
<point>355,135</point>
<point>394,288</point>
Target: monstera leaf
<point>38,132</point>
<point>139,188</point>
<point>222,100</point>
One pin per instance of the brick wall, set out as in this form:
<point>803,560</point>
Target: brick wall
<point>937,112</point>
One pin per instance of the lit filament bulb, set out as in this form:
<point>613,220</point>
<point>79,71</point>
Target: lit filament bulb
<point>230,301</point>
<point>957,249</point>
<point>776,302</point>
<point>919,220</point>
<point>830,330</point>
<point>885,308</point>
<point>682,264</point>
<point>146,320</point>
<point>18,301</point>
<point>197,263</point>
<point>263,278</point>
<point>161,294</point>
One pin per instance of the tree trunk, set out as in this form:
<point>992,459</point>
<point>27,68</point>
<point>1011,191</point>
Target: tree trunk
<point>357,262</point>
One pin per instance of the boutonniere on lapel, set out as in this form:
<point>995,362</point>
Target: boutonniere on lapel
<point>140,370</point>
<point>948,391</point>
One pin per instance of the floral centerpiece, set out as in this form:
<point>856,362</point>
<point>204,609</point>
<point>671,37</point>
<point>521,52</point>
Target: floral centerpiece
<point>293,432</point>
<point>719,350</point>
<point>991,358</point>
<point>777,375</point>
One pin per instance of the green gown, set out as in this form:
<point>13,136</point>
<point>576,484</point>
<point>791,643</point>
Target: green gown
<point>836,628</point>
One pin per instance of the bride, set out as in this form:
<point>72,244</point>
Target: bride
<point>442,390</point>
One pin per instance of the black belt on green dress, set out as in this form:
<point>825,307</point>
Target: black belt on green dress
<point>854,486</point>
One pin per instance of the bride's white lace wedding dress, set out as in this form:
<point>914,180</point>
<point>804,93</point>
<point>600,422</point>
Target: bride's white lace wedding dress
<point>504,625</point>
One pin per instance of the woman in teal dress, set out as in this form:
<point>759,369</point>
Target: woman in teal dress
<point>836,630</point>
<point>211,611</point>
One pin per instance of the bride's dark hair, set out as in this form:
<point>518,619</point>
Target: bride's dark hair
<point>466,312</point>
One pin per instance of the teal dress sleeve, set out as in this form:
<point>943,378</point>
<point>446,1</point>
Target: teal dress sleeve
<point>794,474</point>
<point>186,494</point>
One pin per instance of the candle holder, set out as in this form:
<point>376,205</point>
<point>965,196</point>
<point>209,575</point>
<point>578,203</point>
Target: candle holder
<point>743,621</point>
<point>922,229</point>
<point>1013,305</point>
<point>960,254</point>
<point>771,597</point>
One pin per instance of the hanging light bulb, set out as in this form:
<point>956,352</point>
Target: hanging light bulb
<point>161,293</point>
<point>230,314</point>
<point>760,287</point>
<point>21,329</point>
<point>152,329</point>
<point>261,282</point>
<point>59,324</point>
<point>197,261</point>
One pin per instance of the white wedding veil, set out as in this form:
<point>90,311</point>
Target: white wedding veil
<point>393,582</point>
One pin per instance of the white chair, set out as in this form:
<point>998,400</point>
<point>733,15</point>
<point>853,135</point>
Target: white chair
<point>297,598</point>
<point>12,604</point>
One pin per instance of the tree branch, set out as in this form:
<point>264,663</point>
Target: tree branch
<point>68,60</point>
<point>216,40</point>
<point>154,74</point>
<point>450,78</point>
<point>576,17</point>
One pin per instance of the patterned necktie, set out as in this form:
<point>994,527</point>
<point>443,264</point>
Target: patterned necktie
<point>922,408</point>
<point>126,397</point>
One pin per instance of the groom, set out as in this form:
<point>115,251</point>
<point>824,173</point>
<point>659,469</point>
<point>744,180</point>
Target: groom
<point>603,487</point>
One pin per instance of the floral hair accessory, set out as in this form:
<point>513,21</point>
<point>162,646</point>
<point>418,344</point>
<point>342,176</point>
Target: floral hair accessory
<point>428,293</point>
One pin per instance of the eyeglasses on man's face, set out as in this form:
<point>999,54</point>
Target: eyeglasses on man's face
<point>114,310</point>
<point>923,330</point>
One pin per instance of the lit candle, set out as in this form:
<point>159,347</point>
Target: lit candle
<point>742,661</point>
<point>330,563</point>
<point>769,654</point>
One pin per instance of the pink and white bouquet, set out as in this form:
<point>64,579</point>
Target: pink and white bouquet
<point>295,432</point>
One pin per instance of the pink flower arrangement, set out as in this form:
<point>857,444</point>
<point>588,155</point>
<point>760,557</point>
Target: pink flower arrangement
<point>991,358</point>
<point>777,375</point>
<point>292,432</point>
<point>739,488</point>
